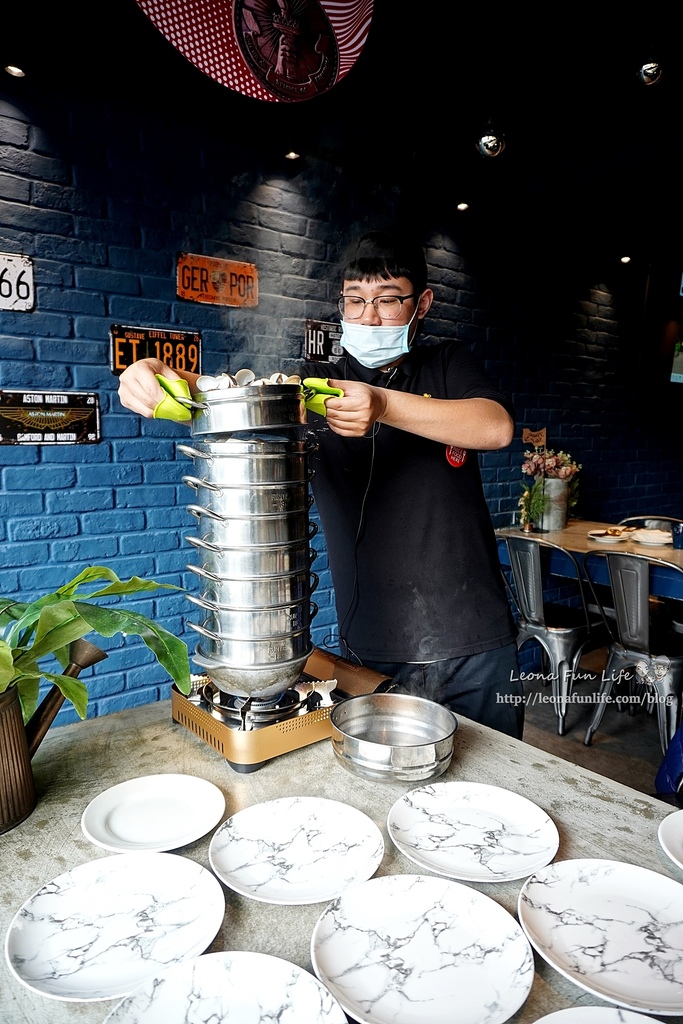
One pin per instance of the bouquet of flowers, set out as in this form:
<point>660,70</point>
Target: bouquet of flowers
<point>542,463</point>
<point>545,462</point>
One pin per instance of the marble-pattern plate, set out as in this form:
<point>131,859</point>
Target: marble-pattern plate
<point>296,850</point>
<point>595,1015</point>
<point>156,813</point>
<point>472,831</point>
<point>416,949</point>
<point>670,835</point>
<point>614,929</point>
<point>230,988</point>
<point>101,929</point>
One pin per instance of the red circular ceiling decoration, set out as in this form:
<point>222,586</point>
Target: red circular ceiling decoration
<point>278,50</point>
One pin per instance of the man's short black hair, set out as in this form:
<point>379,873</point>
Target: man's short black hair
<point>380,255</point>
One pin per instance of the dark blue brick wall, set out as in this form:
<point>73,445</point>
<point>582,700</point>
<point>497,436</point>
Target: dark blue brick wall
<point>103,200</point>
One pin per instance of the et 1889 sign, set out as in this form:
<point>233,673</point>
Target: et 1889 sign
<point>181,350</point>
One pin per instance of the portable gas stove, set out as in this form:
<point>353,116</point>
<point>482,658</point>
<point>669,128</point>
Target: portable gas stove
<point>250,731</point>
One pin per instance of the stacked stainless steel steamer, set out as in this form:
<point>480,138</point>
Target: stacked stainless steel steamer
<point>253,534</point>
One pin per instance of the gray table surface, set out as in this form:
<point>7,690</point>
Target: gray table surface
<point>595,817</point>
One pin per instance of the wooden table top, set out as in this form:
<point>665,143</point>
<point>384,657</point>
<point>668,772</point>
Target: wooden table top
<point>575,538</point>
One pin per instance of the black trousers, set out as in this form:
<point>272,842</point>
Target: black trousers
<point>484,687</point>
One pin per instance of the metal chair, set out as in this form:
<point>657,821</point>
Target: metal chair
<point>674,608</point>
<point>565,631</point>
<point>642,646</point>
<point>654,522</point>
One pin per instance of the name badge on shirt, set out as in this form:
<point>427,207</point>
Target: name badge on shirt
<point>456,456</point>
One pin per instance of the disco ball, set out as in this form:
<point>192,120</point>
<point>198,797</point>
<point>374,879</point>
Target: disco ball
<point>491,145</point>
<point>650,73</point>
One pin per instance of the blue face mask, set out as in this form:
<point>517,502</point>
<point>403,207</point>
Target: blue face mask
<point>375,347</point>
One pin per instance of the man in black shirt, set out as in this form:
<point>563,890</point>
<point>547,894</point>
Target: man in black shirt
<point>418,588</point>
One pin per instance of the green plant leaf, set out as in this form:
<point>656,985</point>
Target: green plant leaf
<point>6,666</point>
<point>27,688</point>
<point>57,626</point>
<point>134,585</point>
<point>73,689</point>
<point>170,652</point>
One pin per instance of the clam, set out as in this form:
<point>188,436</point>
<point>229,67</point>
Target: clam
<point>244,377</point>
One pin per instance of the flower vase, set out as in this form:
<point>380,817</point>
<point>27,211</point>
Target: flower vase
<point>555,515</point>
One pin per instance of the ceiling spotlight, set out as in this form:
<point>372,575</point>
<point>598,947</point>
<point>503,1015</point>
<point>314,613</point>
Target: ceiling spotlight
<point>625,259</point>
<point>491,144</point>
<point>462,207</point>
<point>16,72</point>
<point>650,73</point>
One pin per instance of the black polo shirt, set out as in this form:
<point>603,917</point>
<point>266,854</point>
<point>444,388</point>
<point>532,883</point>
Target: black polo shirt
<point>408,533</point>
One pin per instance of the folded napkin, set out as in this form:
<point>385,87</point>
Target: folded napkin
<point>652,536</point>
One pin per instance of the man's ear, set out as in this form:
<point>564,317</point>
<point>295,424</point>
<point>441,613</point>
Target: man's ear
<point>425,302</point>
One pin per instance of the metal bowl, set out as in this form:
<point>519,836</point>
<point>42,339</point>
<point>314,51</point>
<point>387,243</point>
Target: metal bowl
<point>260,680</point>
<point>219,531</point>
<point>255,623</point>
<point>240,562</point>
<point>392,737</point>
<point>251,499</point>
<point>256,407</point>
<point>255,592</point>
<point>235,462</point>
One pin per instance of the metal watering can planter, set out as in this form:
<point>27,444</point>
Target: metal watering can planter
<point>54,627</point>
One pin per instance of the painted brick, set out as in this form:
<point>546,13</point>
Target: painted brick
<point>84,549</point>
<point>42,529</point>
<point>19,555</point>
<point>116,523</point>
<point>12,187</point>
<point>109,475</point>
<point>21,504</point>
<point>40,478</point>
<point>134,543</point>
<point>79,500</point>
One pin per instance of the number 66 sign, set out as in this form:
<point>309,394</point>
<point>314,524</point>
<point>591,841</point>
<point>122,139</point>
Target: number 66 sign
<point>16,282</point>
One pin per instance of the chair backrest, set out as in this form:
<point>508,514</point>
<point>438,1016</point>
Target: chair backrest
<point>526,563</point>
<point>629,577</point>
<point>650,522</point>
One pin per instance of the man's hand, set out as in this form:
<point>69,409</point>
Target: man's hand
<point>354,414</point>
<point>140,391</point>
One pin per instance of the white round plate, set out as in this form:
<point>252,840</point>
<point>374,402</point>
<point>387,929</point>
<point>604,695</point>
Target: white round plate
<point>101,929</point>
<point>296,850</point>
<point>615,930</point>
<point>415,949</point>
<point>670,835</point>
<point>473,832</point>
<point>230,988</point>
<point>595,1015</point>
<point>655,538</point>
<point>154,813</point>
<point>602,537</point>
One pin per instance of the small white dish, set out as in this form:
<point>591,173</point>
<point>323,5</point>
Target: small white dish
<point>415,949</point>
<point>655,538</point>
<point>614,929</point>
<point>155,813</point>
<point>595,1015</point>
<point>602,537</point>
<point>296,850</point>
<point>670,835</point>
<point>230,988</point>
<point>472,831</point>
<point>101,929</point>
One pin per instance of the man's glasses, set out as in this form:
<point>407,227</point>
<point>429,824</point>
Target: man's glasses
<point>387,307</point>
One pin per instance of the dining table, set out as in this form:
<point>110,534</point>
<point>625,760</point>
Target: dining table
<point>596,818</point>
<point>576,538</point>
